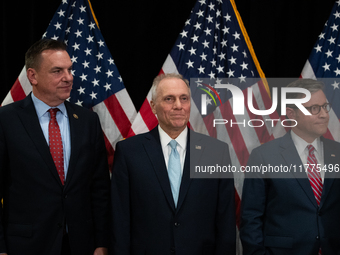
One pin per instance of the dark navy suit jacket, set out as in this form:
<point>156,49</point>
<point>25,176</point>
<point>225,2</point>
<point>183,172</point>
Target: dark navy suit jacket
<point>35,203</point>
<point>280,215</point>
<point>145,220</point>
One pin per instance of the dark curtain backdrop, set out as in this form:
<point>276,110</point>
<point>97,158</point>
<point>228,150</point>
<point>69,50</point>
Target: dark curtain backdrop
<point>140,34</point>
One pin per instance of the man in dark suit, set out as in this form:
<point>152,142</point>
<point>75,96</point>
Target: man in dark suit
<point>296,212</point>
<point>52,205</point>
<point>157,209</point>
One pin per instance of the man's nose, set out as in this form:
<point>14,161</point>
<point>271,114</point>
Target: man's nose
<point>178,103</point>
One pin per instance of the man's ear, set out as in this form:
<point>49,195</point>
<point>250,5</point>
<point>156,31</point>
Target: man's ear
<point>32,76</point>
<point>290,112</point>
<point>153,106</point>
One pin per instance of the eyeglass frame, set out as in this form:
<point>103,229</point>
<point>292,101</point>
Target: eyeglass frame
<point>314,105</point>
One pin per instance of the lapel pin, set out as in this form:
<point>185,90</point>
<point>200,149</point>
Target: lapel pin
<point>198,147</point>
<point>333,155</point>
<point>75,116</point>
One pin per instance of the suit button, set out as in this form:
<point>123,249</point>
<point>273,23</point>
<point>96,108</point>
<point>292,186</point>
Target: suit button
<point>60,225</point>
<point>177,224</point>
<point>319,213</point>
<point>172,250</point>
<point>317,237</point>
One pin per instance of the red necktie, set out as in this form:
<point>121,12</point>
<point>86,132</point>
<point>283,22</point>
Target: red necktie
<point>314,177</point>
<point>56,144</point>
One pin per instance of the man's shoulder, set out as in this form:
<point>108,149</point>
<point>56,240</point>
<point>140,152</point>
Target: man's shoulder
<point>137,138</point>
<point>330,143</point>
<point>205,139</point>
<point>273,145</point>
<point>15,106</point>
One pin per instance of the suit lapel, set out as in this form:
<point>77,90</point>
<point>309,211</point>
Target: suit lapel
<point>76,124</point>
<point>31,124</point>
<point>186,180</point>
<point>153,149</point>
<point>291,156</point>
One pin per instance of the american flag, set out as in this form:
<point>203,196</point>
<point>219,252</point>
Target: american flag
<point>97,83</point>
<point>214,45</point>
<point>324,64</point>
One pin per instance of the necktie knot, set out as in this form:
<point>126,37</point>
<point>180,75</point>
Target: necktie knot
<point>310,149</point>
<point>173,144</point>
<point>53,112</point>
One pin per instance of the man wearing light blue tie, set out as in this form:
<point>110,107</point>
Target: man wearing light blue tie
<point>156,207</point>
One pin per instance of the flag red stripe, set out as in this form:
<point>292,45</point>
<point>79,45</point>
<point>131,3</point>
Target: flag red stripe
<point>118,115</point>
<point>268,104</point>
<point>262,132</point>
<point>235,134</point>
<point>208,121</point>
<point>148,117</point>
<point>328,135</point>
<point>17,92</point>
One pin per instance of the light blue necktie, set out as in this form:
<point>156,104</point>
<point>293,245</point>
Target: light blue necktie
<point>174,171</point>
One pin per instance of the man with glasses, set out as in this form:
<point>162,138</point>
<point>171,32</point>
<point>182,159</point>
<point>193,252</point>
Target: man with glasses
<point>296,212</point>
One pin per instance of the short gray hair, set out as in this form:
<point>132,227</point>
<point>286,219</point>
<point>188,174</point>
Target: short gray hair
<point>161,77</point>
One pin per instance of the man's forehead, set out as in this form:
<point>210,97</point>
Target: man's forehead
<point>172,85</point>
<point>318,95</point>
<point>55,56</point>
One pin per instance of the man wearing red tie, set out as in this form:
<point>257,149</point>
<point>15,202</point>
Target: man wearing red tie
<point>298,213</point>
<point>54,178</point>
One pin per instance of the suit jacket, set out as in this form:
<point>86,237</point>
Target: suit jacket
<point>281,216</point>
<point>35,203</point>
<point>145,220</point>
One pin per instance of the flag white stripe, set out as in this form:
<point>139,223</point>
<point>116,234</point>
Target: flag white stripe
<point>109,127</point>
<point>169,65</point>
<point>25,83</point>
<point>127,105</point>
<point>8,99</point>
<point>139,126</point>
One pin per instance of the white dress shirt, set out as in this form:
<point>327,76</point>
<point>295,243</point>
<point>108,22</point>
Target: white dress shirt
<point>181,145</point>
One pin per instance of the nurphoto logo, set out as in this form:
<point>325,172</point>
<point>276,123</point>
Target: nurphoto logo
<point>213,93</point>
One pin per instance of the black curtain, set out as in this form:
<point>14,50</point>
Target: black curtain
<point>140,34</point>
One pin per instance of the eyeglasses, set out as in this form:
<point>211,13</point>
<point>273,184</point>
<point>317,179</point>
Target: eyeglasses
<point>315,109</point>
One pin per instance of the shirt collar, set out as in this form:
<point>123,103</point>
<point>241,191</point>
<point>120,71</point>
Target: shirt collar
<point>181,139</point>
<point>301,144</point>
<point>41,108</point>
